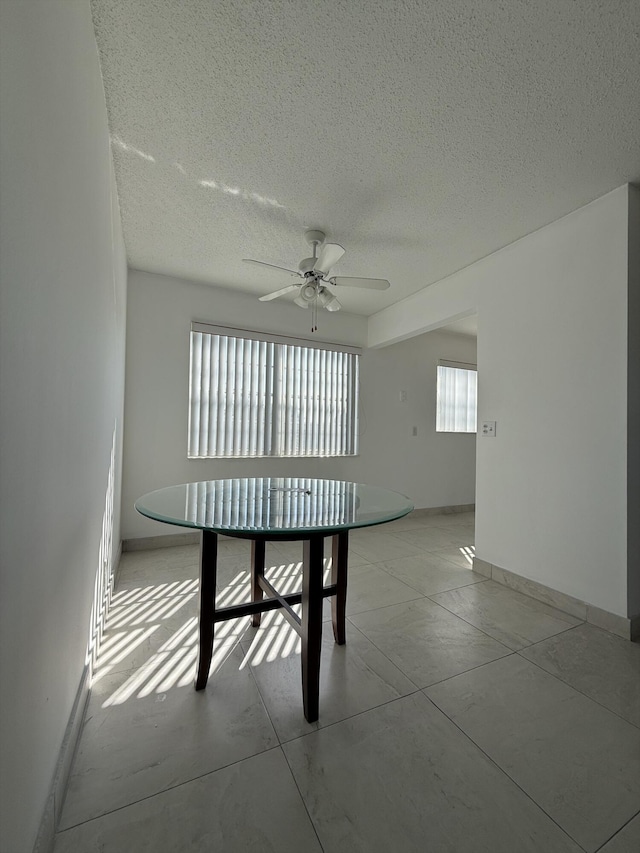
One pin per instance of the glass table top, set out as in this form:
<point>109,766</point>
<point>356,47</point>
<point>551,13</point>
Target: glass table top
<point>274,506</point>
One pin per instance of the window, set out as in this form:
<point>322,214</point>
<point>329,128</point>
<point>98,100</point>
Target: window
<point>456,406</point>
<point>254,394</point>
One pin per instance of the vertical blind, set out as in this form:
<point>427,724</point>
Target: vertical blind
<point>261,397</point>
<point>456,408</point>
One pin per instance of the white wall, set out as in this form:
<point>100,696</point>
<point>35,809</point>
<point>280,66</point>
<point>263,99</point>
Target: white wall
<point>633,404</point>
<point>432,470</point>
<point>62,316</point>
<point>551,501</point>
<point>429,309</point>
<point>552,353</point>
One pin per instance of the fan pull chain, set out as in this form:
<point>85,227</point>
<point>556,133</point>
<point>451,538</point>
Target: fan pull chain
<point>314,308</point>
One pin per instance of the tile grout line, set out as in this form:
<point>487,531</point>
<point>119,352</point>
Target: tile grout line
<point>302,799</point>
<point>611,837</point>
<point>425,594</point>
<point>418,597</point>
<point>567,684</point>
<point>509,654</point>
<point>349,716</point>
<point>526,646</point>
<point>329,726</point>
<point>385,656</point>
<point>418,688</point>
<point>509,651</point>
<point>263,700</point>
<point>165,790</point>
<point>504,772</point>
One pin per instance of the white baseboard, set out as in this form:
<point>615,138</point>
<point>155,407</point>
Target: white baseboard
<point>620,625</point>
<point>442,510</point>
<point>146,543</point>
<point>116,565</point>
<point>55,800</point>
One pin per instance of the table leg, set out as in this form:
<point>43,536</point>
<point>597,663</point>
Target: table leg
<point>312,624</point>
<point>257,570</point>
<point>339,553</point>
<point>208,571</point>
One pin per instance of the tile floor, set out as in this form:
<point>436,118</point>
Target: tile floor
<point>460,716</point>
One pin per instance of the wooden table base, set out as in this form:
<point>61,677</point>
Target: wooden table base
<point>309,626</point>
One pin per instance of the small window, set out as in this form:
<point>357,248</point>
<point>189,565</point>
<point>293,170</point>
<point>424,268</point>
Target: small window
<point>254,394</point>
<point>456,406</point>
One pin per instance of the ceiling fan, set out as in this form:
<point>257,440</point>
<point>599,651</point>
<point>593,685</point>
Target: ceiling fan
<point>315,275</point>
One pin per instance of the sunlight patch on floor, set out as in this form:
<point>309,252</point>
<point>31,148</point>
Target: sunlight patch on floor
<point>468,552</point>
<point>138,614</point>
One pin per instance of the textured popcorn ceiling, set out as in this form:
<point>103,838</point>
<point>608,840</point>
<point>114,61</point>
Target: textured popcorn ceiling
<point>420,135</point>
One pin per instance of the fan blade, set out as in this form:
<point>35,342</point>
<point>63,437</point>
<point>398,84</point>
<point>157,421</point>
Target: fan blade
<point>330,254</point>
<point>369,283</point>
<point>273,266</point>
<point>288,289</point>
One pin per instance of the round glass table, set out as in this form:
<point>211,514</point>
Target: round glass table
<point>264,509</point>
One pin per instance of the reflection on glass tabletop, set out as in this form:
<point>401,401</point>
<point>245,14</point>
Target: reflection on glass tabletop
<point>274,505</point>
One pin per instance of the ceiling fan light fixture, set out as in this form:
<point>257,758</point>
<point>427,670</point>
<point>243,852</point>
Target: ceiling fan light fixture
<point>306,296</point>
<point>324,297</point>
<point>327,300</point>
<point>315,275</point>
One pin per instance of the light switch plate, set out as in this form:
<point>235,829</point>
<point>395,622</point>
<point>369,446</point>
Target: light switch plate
<point>489,428</point>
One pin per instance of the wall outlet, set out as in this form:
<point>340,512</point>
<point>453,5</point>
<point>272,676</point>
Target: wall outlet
<point>403,396</point>
<point>489,428</point>
<point>414,430</point>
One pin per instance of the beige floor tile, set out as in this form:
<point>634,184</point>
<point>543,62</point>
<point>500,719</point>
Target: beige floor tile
<point>252,806</point>
<point>426,642</point>
<point>602,666</point>
<point>460,555</point>
<point>148,730</point>
<point>140,631</point>
<point>157,567</point>
<point>370,587</point>
<point>435,538</point>
<point>428,573</point>
<point>627,840</point>
<point>510,617</point>
<point>403,778</point>
<point>374,547</point>
<point>578,761</point>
